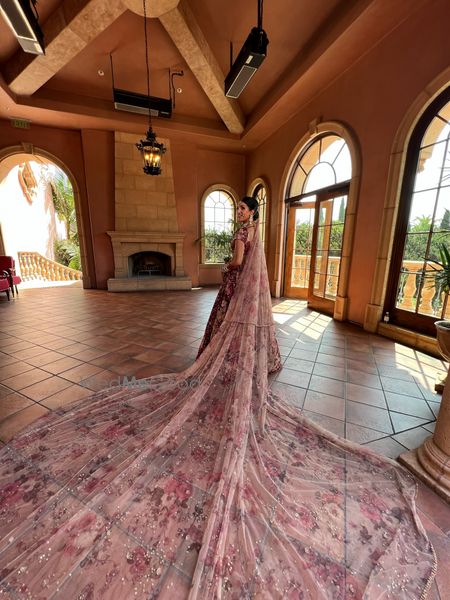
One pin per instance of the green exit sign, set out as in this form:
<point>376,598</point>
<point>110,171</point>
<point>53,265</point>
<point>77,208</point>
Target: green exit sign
<point>20,123</point>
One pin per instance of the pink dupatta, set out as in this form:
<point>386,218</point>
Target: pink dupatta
<point>206,485</point>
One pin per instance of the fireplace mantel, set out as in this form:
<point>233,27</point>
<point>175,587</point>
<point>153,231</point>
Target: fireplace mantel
<point>126,243</point>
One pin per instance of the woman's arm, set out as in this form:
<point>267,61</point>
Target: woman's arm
<point>238,255</point>
<point>239,248</point>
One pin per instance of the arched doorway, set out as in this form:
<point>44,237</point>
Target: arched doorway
<point>416,294</point>
<point>39,218</point>
<point>316,201</point>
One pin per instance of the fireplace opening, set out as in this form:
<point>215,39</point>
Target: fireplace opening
<point>149,264</point>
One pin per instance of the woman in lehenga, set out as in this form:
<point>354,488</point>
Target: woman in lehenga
<point>205,485</point>
<point>247,215</point>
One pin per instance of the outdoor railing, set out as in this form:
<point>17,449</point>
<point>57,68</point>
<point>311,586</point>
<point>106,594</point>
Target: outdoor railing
<point>410,280</point>
<point>35,266</point>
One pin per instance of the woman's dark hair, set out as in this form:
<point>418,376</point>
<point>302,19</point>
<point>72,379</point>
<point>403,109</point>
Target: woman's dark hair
<point>253,204</point>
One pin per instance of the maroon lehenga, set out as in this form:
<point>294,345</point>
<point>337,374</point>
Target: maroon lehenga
<point>223,299</point>
<point>205,485</point>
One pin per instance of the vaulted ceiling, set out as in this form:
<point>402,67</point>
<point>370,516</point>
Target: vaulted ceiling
<point>311,43</point>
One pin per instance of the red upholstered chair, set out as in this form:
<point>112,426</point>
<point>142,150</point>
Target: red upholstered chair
<point>7,265</point>
<point>4,284</point>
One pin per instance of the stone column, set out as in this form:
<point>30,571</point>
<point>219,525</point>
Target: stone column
<point>431,462</point>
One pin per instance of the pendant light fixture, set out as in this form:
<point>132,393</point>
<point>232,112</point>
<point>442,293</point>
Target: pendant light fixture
<point>151,150</point>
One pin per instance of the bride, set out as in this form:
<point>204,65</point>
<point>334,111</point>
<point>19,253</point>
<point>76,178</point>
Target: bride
<point>206,485</point>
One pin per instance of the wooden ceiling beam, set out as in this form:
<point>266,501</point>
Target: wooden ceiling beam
<point>66,32</point>
<point>181,24</point>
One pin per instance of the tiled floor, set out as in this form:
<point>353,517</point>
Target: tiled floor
<point>59,344</point>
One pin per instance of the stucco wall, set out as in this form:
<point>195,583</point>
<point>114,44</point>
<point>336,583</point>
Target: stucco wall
<point>371,99</point>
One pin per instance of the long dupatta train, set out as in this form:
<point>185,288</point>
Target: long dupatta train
<point>204,484</point>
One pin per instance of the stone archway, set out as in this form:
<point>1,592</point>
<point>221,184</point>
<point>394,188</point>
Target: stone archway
<point>15,155</point>
<point>317,130</point>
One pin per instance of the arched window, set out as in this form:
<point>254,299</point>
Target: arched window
<point>416,294</point>
<point>325,163</point>
<point>260,193</point>
<point>218,225</point>
<point>316,199</point>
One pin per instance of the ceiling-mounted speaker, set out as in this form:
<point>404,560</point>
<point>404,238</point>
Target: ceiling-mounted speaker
<point>24,24</point>
<point>138,103</point>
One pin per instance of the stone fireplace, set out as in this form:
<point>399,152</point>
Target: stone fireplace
<point>147,245</point>
<point>149,264</point>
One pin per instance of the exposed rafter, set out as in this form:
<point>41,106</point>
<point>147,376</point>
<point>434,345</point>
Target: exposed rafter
<point>181,24</point>
<point>67,31</point>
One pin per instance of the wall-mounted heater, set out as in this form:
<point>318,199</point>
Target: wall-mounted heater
<point>249,59</point>
<point>138,103</point>
<point>21,17</point>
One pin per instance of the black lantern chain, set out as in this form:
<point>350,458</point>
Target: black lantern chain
<point>151,150</point>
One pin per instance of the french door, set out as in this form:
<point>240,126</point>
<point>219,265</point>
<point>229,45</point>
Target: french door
<point>315,230</point>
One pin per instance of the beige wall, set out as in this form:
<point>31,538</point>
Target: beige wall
<point>371,99</point>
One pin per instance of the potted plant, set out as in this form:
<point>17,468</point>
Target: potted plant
<point>441,277</point>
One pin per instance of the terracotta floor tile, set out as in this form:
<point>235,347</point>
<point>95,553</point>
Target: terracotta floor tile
<point>366,395</point>
<point>174,362</point>
<point>7,359</point>
<point>131,350</point>
<point>434,407</point>
<point>361,435</point>
<point>325,349</point>
<point>11,347</point>
<point>89,355</point>
<point>150,370</point>
<point>57,344</point>
<point>10,426</point>
<point>402,422</point>
<point>128,366</point>
<point>413,438</point>
<point>291,377</point>
<point>26,379</point>
<point>369,416</point>
<point>186,351</point>
<point>329,359</point>
<point>28,352</point>
<point>331,406</point>
<point>362,378</point>
<point>45,388</point>
<point>360,365</point>
<point>151,356</point>
<point>292,394</point>
<point>410,406</point>
<point>61,365</point>
<point>12,403</point>
<point>334,425</point>
<point>398,386</point>
<point>44,358</point>
<point>331,371</point>
<point>102,380</point>
<point>297,364</point>
<point>434,507</point>
<point>74,393</point>
<point>13,369</point>
<point>327,385</point>
<point>395,373</point>
<point>73,349</point>
<point>81,372</point>
<point>387,447</point>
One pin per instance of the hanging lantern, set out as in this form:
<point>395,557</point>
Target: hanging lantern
<point>151,152</point>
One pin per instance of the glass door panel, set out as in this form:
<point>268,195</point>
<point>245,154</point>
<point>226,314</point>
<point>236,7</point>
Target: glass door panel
<point>299,245</point>
<point>327,251</point>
